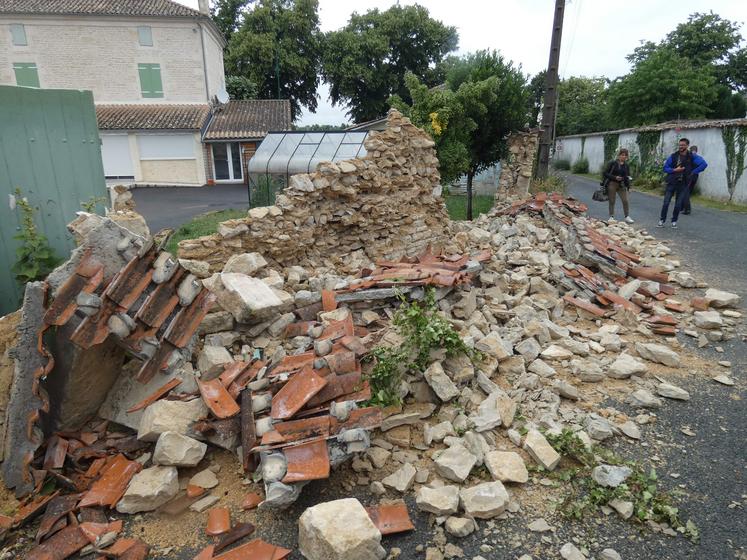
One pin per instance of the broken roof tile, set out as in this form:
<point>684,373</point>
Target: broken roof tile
<point>299,389</point>
<point>108,489</point>
<point>234,535</point>
<point>217,399</point>
<point>328,300</point>
<point>57,508</point>
<point>219,521</point>
<point>293,363</point>
<point>159,393</point>
<point>391,518</point>
<point>251,501</point>
<point>60,546</point>
<point>255,550</point>
<point>309,461</point>
<point>54,457</point>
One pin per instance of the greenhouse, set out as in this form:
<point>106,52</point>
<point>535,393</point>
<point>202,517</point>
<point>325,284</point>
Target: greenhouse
<point>282,154</point>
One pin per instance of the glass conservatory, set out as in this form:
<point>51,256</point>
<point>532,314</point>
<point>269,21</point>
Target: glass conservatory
<point>282,154</point>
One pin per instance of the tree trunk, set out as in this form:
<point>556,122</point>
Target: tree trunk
<point>470,176</point>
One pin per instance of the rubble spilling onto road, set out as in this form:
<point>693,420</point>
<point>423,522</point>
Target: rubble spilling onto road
<point>131,368</point>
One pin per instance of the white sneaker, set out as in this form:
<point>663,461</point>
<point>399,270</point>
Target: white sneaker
<point>612,219</point>
<point>629,220</point>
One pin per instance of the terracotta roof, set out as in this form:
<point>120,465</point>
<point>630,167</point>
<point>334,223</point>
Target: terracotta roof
<point>163,8</point>
<point>706,123</point>
<point>151,117</point>
<point>250,118</point>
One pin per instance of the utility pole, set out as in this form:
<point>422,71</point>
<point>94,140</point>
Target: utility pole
<point>551,92</point>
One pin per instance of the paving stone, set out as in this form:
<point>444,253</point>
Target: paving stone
<point>506,466</point>
<point>610,476</point>
<point>170,416</point>
<point>440,501</point>
<point>459,526</point>
<point>455,463</point>
<point>658,353</point>
<point>644,399</point>
<point>212,361</point>
<point>541,451</point>
<point>708,319</point>
<point>484,501</point>
<point>556,352</point>
<point>720,298</point>
<point>569,552</point>
<point>149,489</point>
<point>444,387</point>
<point>672,392</point>
<point>402,479</point>
<point>178,450</point>
<point>494,346</point>
<point>626,365</point>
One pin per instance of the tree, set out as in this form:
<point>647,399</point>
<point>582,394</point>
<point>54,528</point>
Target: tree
<point>662,87</point>
<point>278,47</point>
<point>582,106</point>
<point>365,62</point>
<point>470,120</point>
<point>227,15</point>
<point>322,127</point>
<point>241,87</point>
<point>536,97</point>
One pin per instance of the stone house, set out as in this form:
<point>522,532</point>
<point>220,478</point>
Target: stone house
<point>155,68</point>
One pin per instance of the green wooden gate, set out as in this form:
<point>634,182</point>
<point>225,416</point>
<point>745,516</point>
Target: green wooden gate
<point>50,149</point>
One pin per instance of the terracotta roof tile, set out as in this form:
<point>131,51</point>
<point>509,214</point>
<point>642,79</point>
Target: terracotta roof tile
<point>162,8</point>
<point>249,118</point>
<point>151,117</point>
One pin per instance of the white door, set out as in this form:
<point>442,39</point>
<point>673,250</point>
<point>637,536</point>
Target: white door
<point>115,152</point>
<point>227,161</point>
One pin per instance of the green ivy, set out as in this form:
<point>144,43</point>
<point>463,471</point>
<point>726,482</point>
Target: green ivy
<point>34,257</point>
<point>611,142</point>
<point>423,329</point>
<point>735,144</point>
<point>648,143</point>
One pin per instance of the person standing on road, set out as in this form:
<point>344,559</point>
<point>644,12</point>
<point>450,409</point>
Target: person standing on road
<point>617,175</point>
<point>686,208</point>
<point>679,167</point>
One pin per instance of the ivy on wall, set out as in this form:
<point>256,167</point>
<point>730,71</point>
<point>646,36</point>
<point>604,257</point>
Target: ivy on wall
<point>647,143</point>
<point>735,145</point>
<point>583,145</point>
<point>611,141</point>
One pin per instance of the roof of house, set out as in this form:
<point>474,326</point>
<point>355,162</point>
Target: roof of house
<point>151,117</point>
<point>705,123</point>
<point>375,124</point>
<point>162,8</point>
<point>249,118</point>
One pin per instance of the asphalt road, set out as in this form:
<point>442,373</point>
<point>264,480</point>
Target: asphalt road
<point>710,467</point>
<point>169,207</point>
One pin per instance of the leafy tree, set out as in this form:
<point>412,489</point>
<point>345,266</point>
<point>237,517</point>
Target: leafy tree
<point>365,62</point>
<point>536,97</point>
<point>486,99</point>
<point>582,106</point>
<point>662,87</point>
<point>227,15</point>
<point>322,127</point>
<point>241,87</point>
<point>278,47</point>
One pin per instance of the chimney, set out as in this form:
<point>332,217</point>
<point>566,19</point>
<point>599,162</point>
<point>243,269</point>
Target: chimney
<point>203,7</point>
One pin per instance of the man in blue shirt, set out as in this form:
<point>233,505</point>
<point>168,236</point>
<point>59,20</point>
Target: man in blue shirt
<point>679,167</point>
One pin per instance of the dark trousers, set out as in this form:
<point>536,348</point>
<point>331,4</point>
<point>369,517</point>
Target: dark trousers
<point>678,192</point>
<point>686,208</point>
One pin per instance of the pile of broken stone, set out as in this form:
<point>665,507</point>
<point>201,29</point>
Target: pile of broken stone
<point>552,360</point>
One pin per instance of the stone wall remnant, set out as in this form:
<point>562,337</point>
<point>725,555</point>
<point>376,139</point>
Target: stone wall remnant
<point>516,170</point>
<point>345,214</point>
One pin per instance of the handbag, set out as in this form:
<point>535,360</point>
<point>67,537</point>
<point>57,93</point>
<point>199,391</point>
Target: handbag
<point>600,195</point>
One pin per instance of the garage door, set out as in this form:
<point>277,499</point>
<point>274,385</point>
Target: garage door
<point>115,152</point>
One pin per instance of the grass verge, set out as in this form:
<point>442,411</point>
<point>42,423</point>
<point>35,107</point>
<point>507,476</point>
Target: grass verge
<point>204,224</point>
<point>456,204</point>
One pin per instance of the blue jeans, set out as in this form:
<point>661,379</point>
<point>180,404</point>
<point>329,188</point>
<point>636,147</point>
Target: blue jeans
<point>678,191</point>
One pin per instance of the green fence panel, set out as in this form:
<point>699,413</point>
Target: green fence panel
<point>50,149</point>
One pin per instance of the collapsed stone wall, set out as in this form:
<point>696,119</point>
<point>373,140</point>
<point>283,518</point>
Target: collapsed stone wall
<point>516,170</point>
<point>345,214</point>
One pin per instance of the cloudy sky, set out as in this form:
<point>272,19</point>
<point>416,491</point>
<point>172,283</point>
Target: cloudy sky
<point>597,34</point>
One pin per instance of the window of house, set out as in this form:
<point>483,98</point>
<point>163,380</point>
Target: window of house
<point>144,35</point>
<point>18,34</point>
<point>150,80</point>
<point>26,74</point>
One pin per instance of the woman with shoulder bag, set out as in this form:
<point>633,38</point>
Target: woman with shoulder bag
<point>617,176</point>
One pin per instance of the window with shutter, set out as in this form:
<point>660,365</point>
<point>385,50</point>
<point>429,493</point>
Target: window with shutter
<point>26,74</point>
<point>18,34</point>
<point>150,80</point>
<point>145,36</point>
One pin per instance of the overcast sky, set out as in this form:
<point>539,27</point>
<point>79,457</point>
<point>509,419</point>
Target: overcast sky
<point>597,34</point>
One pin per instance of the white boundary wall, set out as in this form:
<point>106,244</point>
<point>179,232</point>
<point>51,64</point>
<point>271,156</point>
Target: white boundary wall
<point>712,181</point>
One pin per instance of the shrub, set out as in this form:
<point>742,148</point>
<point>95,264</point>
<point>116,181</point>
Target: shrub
<point>581,165</point>
<point>553,183</point>
<point>34,257</point>
<point>564,164</point>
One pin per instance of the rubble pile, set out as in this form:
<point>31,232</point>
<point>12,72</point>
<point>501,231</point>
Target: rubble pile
<point>131,368</point>
<point>346,214</point>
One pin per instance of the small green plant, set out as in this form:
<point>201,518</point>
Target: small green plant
<point>423,329</point>
<point>90,204</point>
<point>640,488</point>
<point>553,183</point>
<point>563,163</point>
<point>34,257</point>
<point>580,166</point>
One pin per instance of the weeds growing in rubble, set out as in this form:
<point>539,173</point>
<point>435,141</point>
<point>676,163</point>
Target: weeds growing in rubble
<point>34,257</point>
<point>640,488</point>
<point>423,329</point>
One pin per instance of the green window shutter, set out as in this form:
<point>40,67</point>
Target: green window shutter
<point>150,80</point>
<point>26,74</point>
<point>18,34</point>
<point>145,36</point>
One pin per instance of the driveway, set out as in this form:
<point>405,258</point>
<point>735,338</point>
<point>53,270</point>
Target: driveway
<point>169,207</point>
